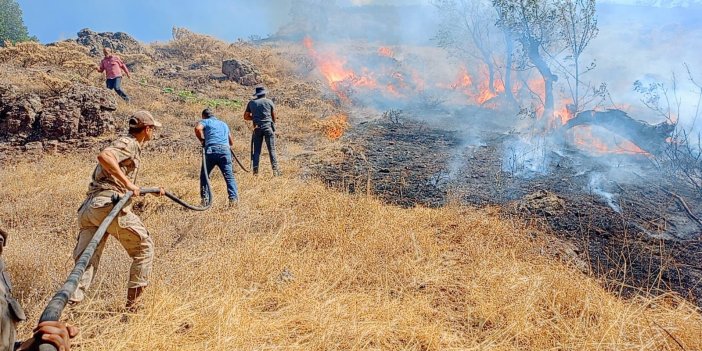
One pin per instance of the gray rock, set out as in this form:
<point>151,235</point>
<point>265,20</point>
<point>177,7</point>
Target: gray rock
<point>17,113</point>
<point>242,72</point>
<point>34,146</point>
<point>118,42</point>
<point>80,112</point>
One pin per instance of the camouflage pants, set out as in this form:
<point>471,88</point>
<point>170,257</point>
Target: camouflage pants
<point>127,229</point>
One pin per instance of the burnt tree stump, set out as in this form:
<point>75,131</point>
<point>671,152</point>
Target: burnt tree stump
<point>649,137</point>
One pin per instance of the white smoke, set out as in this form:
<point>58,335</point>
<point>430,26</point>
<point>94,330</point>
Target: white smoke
<point>597,185</point>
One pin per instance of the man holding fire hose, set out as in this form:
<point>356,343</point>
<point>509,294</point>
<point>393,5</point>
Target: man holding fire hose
<point>115,174</point>
<point>217,141</point>
<point>261,111</point>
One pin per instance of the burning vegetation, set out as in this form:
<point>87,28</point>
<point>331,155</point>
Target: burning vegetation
<point>477,192</point>
<point>506,111</point>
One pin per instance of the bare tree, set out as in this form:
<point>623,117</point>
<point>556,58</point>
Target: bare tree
<point>468,29</point>
<point>683,154</point>
<point>535,25</point>
<point>578,26</point>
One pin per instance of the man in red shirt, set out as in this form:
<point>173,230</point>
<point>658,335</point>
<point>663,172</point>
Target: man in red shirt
<point>113,67</point>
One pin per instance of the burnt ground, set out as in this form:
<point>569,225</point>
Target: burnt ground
<point>624,218</point>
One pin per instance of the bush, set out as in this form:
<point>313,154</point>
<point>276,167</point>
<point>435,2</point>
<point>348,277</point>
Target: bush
<point>189,45</point>
<point>66,55</point>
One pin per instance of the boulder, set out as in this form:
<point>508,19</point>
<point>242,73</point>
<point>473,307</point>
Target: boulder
<point>170,71</point>
<point>242,72</point>
<point>80,112</point>
<point>83,111</point>
<point>18,112</point>
<point>118,42</point>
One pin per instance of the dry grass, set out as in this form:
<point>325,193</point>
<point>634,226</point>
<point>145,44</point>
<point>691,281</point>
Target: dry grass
<point>301,267</point>
<point>298,266</point>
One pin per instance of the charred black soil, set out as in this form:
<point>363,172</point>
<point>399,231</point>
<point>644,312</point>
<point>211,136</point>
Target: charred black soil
<point>629,223</point>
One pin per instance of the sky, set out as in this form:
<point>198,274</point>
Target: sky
<point>152,20</point>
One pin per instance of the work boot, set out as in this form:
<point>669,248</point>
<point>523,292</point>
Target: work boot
<point>255,171</point>
<point>233,203</point>
<point>277,173</point>
<point>133,298</point>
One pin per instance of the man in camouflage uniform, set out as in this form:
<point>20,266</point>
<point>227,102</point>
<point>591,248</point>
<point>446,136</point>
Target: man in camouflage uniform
<point>11,313</point>
<point>115,174</point>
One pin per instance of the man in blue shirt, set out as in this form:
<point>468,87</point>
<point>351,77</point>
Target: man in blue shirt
<point>217,141</point>
<point>261,111</point>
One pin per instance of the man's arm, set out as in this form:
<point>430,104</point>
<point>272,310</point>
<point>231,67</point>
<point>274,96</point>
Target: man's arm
<point>200,133</point>
<point>273,115</point>
<point>247,114</point>
<point>123,67</point>
<point>110,164</point>
<point>231,140</point>
<point>101,67</point>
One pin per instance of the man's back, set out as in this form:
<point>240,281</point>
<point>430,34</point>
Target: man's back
<point>261,110</point>
<point>216,132</point>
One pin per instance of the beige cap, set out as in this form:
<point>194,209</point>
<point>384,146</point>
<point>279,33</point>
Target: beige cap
<point>142,119</point>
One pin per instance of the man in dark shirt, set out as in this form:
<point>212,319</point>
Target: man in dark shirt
<point>217,141</point>
<point>261,111</point>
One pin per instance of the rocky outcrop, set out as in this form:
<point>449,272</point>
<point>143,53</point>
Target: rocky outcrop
<point>17,113</point>
<point>80,112</point>
<point>169,71</point>
<point>118,42</point>
<point>242,72</point>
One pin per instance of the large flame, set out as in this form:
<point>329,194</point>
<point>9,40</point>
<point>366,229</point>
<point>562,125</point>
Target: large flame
<point>335,71</point>
<point>399,82</point>
<point>328,64</point>
<point>587,140</point>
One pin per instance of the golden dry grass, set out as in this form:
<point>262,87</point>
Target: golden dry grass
<point>297,266</point>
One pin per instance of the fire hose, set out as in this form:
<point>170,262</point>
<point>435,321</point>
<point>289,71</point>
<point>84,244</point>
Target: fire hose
<point>239,162</point>
<point>57,304</point>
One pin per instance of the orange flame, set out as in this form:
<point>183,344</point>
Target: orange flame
<point>585,139</point>
<point>334,126</point>
<point>419,82</point>
<point>331,67</point>
<point>563,114</point>
<point>386,51</point>
<point>463,79</point>
<point>334,70</point>
<point>484,92</point>
<point>393,90</point>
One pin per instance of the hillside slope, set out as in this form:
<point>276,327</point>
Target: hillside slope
<point>296,265</point>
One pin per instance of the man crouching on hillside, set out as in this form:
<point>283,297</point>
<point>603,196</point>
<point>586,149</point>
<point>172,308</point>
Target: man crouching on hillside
<point>115,174</point>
